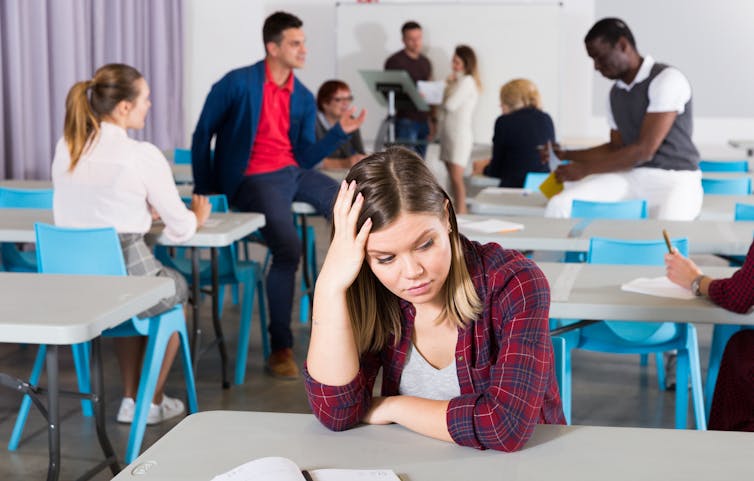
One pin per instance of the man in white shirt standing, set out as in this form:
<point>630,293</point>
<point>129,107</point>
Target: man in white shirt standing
<point>650,154</point>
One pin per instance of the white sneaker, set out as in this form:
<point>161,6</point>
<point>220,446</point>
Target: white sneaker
<point>126,410</point>
<point>169,408</point>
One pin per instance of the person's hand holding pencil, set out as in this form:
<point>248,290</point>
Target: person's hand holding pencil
<point>679,269</point>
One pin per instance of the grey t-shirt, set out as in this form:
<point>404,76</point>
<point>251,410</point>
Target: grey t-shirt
<point>421,379</point>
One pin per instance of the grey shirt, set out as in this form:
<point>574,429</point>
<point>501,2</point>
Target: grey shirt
<point>421,379</point>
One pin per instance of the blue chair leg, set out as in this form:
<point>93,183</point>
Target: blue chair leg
<point>720,336</point>
<point>695,371</point>
<point>643,359</point>
<point>23,412</point>
<point>681,389</point>
<point>244,326</point>
<point>188,370</point>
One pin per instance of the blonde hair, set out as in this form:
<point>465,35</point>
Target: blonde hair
<point>520,93</point>
<point>393,182</point>
<point>89,100</point>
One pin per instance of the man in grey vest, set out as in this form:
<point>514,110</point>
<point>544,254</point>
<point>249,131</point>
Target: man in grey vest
<point>650,154</point>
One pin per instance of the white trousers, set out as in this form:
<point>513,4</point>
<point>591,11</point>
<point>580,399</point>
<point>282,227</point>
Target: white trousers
<point>670,194</point>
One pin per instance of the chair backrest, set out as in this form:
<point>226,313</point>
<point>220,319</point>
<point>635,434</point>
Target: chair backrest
<point>534,179</point>
<point>25,198</point>
<point>732,186</point>
<point>635,252</point>
<point>181,156</point>
<point>627,209</point>
<point>63,250</point>
<point>744,212</point>
<point>632,252</point>
<point>724,165</point>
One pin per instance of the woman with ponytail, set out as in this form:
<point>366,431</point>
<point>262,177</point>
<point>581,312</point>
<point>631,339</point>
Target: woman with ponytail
<point>103,178</point>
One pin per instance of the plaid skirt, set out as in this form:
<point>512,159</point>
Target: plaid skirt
<point>141,262</point>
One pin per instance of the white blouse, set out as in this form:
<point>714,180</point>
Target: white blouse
<point>114,183</point>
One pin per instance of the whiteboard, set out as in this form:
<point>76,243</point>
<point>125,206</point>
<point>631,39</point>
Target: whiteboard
<point>712,43</point>
<point>511,40</point>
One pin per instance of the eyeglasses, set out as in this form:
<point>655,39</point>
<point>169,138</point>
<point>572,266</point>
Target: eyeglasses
<point>343,99</point>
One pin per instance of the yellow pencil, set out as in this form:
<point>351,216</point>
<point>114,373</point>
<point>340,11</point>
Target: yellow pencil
<point>667,240</point>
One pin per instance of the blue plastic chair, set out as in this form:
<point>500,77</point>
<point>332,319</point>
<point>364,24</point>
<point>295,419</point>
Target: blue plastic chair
<point>231,271</point>
<point>98,251</point>
<point>724,165</point>
<point>534,179</point>
<point>181,156</point>
<point>589,209</point>
<point>626,209</point>
<point>643,337</point>
<point>14,259</point>
<point>731,186</point>
<point>721,333</point>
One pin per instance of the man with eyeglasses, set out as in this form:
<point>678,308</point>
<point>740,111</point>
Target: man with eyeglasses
<point>262,119</point>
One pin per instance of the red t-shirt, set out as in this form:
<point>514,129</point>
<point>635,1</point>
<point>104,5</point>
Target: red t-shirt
<point>272,149</point>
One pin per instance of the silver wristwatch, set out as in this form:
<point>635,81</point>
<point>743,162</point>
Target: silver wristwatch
<point>696,285</point>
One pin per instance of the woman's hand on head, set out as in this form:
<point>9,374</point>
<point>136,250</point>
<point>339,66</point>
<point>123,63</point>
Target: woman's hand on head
<point>681,270</point>
<point>201,208</point>
<point>347,249</point>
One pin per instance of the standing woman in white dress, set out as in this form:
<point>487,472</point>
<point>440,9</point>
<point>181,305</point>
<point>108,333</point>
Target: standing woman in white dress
<point>456,137</point>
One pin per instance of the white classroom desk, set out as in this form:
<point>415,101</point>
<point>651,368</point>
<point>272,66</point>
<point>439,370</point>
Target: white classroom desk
<point>63,310</point>
<point>592,291</point>
<point>183,175</point>
<point>220,230</point>
<point>745,144</point>
<point>520,202</point>
<point>206,444</point>
<point>539,233</point>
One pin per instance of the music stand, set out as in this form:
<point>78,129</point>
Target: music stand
<point>393,89</point>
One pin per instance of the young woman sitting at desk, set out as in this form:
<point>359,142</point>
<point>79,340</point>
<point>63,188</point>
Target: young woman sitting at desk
<point>733,400</point>
<point>459,329</point>
<point>103,178</point>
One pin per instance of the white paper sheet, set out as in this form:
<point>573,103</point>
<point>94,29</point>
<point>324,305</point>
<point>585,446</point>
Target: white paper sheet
<point>283,469</point>
<point>431,91</point>
<point>659,287</point>
<point>490,226</point>
<point>504,190</point>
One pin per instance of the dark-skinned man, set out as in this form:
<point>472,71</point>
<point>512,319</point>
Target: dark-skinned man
<point>650,154</point>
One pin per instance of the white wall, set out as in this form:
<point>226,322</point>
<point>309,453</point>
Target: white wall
<point>223,34</point>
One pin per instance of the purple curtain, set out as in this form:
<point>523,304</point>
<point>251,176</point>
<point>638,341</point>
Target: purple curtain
<point>48,45</point>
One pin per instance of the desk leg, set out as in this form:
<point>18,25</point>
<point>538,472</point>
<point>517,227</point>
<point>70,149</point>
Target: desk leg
<point>219,338</point>
<point>196,299</point>
<point>98,389</point>
<point>53,427</point>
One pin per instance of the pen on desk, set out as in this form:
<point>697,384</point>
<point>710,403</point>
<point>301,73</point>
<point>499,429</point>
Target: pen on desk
<point>667,240</point>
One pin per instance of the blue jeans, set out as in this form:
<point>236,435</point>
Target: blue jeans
<point>272,194</point>
<point>413,133</point>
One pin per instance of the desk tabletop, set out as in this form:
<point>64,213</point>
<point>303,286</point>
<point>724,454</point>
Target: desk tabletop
<point>206,444</point>
<point>183,174</point>
<point>540,233</point>
<point>17,225</point>
<point>68,309</point>
<point>520,202</point>
<point>593,291</point>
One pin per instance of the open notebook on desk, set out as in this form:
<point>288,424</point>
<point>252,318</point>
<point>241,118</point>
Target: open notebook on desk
<point>283,469</point>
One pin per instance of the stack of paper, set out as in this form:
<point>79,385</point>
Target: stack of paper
<point>490,226</point>
<point>658,286</point>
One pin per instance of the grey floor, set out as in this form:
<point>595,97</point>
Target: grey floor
<point>608,390</point>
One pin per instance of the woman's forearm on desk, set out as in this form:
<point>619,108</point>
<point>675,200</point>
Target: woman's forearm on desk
<point>424,416</point>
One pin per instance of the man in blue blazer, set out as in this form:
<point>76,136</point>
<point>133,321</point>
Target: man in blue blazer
<point>262,118</point>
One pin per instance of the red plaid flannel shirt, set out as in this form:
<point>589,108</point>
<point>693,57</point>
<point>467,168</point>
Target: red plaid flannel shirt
<point>737,292</point>
<point>504,360</point>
